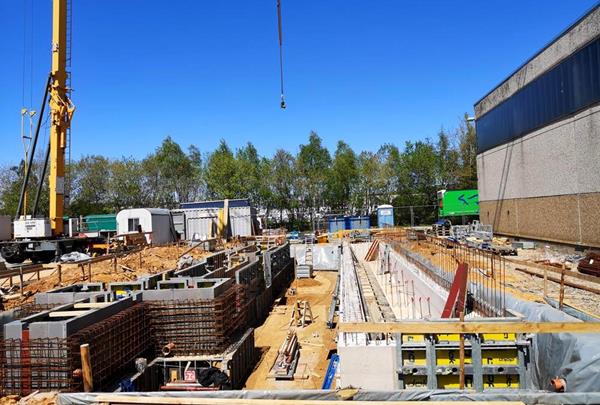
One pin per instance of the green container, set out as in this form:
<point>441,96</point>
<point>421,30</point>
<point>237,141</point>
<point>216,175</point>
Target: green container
<point>97,223</point>
<point>457,203</point>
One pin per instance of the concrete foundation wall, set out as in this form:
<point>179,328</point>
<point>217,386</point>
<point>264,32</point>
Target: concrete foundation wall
<point>368,367</point>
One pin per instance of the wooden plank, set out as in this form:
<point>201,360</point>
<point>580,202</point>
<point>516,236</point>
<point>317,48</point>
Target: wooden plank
<point>66,314</point>
<point>86,367</point>
<point>556,270</point>
<point>470,327</point>
<point>129,399</point>
<point>90,305</point>
<point>558,280</point>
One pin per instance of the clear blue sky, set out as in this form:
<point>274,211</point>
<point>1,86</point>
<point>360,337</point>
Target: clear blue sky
<point>367,72</point>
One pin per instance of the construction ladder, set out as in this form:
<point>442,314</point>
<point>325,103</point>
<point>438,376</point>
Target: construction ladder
<point>308,257</point>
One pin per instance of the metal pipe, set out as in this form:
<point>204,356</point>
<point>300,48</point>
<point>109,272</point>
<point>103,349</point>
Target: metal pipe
<point>41,183</point>
<point>32,148</point>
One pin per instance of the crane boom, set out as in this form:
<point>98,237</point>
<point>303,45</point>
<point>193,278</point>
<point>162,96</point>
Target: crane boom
<point>61,111</point>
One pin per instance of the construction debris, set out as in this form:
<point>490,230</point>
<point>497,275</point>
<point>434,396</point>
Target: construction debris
<point>287,358</point>
<point>590,264</point>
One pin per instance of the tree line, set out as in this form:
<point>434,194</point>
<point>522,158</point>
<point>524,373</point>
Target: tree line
<point>290,188</point>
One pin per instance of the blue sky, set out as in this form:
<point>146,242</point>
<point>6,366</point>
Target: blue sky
<point>367,72</point>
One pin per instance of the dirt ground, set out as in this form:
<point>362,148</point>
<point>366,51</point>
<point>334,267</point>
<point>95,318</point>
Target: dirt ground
<point>315,340</point>
<point>40,398</point>
<point>153,260</point>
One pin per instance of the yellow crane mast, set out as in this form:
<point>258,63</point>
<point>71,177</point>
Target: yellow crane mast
<point>61,112</point>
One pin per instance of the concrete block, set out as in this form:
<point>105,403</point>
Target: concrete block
<point>370,367</point>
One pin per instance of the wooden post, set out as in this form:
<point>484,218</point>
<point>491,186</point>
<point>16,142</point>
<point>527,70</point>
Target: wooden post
<point>59,268</point>
<point>115,263</point>
<point>140,266</point>
<point>461,377</point>
<point>38,274</point>
<point>561,294</point>
<point>82,271</point>
<point>86,367</point>
<point>21,279</point>
<point>90,271</point>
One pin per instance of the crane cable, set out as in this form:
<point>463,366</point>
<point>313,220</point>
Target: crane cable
<point>279,25</point>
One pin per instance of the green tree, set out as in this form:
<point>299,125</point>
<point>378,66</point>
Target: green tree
<point>127,185</point>
<point>11,181</point>
<point>174,174</point>
<point>468,154</point>
<point>343,178</point>
<point>283,180</point>
<point>447,162</point>
<point>90,189</point>
<point>221,173</point>
<point>419,188</point>
<point>248,174</point>
<point>313,168</point>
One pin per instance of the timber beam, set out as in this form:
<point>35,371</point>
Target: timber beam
<point>433,327</point>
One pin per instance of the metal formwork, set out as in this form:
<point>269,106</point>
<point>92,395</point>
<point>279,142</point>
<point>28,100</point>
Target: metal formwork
<point>492,361</point>
<point>276,260</point>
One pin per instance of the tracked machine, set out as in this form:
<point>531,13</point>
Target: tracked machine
<point>44,239</point>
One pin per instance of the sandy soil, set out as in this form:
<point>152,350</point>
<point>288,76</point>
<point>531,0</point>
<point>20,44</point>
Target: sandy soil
<point>153,260</point>
<point>315,340</point>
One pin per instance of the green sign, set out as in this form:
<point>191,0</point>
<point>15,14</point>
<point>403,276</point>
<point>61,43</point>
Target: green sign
<point>458,202</point>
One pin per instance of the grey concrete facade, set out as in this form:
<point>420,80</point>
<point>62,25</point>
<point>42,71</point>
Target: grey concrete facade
<point>546,184</point>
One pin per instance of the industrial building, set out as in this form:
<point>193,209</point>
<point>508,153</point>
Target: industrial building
<point>538,139</point>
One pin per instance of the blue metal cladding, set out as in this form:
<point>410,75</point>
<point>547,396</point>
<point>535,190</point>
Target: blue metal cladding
<point>570,86</point>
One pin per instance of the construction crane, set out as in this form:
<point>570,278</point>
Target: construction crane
<point>42,239</point>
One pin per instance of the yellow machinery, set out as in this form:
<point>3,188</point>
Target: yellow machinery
<point>61,111</point>
<point>41,239</point>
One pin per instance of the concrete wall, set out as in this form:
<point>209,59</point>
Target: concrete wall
<point>370,367</point>
<point>548,182</point>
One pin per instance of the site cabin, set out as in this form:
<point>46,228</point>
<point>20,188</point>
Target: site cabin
<point>200,220</point>
<point>158,221</point>
<point>455,203</point>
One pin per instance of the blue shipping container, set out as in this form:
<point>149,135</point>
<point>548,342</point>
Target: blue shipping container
<point>360,223</point>
<point>336,224</point>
